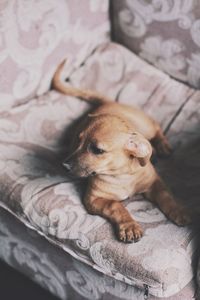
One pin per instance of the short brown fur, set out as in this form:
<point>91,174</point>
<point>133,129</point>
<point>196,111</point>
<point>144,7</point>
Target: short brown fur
<point>112,148</point>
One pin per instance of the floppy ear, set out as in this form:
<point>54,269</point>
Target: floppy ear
<point>139,147</point>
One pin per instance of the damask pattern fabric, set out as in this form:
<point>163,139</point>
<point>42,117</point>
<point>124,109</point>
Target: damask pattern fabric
<point>36,35</point>
<point>165,33</point>
<point>55,270</point>
<point>35,186</point>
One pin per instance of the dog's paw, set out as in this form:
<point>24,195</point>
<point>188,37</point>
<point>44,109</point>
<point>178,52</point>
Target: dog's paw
<point>180,216</point>
<point>130,232</point>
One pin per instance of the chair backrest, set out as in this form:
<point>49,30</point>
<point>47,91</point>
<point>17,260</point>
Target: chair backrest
<point>165,33</point>
<point>36,35</point>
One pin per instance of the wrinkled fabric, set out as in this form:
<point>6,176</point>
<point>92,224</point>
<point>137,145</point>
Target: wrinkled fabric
<point>59,272</point>
<point>165,33</point>
<point>35,36</point>
<point>34,184</point>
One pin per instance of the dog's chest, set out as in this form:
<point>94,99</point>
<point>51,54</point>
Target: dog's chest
<point>120,188</point>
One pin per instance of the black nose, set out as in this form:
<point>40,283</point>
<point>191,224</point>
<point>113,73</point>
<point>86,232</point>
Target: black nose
<point>93,173</point>
<point>67,166</point>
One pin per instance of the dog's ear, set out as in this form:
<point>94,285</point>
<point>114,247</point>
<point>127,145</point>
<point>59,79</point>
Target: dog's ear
<point>139,147</point>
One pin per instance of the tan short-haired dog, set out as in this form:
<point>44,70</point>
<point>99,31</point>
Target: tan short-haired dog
<point>111,147</point>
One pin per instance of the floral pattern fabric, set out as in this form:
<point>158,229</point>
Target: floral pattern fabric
<point>34,184</point>
<point>35,36</point>
<point>58,272</point>
<point>165,33</point>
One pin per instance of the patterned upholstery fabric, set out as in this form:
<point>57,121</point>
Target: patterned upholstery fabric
<point>36,35</point>
<point>58,272</point>
<point>165,33</point>
<point>33,143</point>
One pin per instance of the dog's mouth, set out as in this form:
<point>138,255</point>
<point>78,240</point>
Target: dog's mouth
<point>79,172</point>
<point>86,173</point>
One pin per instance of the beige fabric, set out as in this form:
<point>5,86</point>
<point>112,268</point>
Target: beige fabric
<point>36,35</point>
<point>58,272</point>
<point>34,184</point>
<point>165,33</point>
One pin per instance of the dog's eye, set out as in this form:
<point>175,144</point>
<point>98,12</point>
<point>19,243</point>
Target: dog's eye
<point>95,150</point>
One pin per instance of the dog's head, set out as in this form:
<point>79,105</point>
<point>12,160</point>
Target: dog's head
<point>107,146</point>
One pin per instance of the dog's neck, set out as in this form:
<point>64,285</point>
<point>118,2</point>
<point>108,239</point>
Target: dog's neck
<point>120,186</point>
<point>108,186</point>
<point>111,187</point>
<point>120,178</point>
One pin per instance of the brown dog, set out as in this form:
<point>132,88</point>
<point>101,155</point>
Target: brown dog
<point>111,147</point>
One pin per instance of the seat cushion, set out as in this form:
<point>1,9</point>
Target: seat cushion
<point>58,272</point>
<point>35,186</point>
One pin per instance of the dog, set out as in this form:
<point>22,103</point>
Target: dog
<point>112,147</point>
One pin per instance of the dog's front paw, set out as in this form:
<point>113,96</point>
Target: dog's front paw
<point>130,232</point>
<point>180,217</point>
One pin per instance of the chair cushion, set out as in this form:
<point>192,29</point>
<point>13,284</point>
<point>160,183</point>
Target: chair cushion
<point>165,33</point>
<point>58,272</point>
<point>35,187</point>
<point>36,35</point>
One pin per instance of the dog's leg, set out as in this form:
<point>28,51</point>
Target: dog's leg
<point>159,195</point>
<point>128,230</point>
<point>161,144</point>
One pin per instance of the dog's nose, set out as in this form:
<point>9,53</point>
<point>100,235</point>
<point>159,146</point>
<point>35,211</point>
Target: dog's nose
<point>67,166</point>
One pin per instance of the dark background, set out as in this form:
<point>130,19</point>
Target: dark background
<point>14,285</point>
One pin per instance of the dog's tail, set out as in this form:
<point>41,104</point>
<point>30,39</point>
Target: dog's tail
<point>84,94</point>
